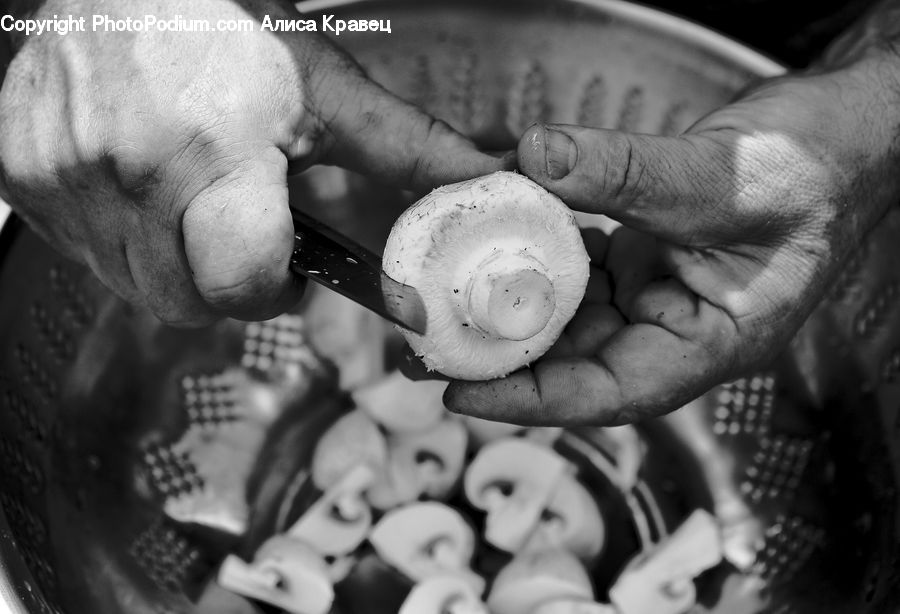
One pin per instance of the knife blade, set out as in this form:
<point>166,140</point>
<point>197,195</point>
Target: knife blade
<point>327,257</point>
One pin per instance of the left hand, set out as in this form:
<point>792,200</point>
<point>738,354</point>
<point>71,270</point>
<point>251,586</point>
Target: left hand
<point>734,231</point>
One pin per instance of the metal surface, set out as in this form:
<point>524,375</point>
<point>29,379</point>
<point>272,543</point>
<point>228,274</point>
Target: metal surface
<point>133,457</point>
<point>345,267</point>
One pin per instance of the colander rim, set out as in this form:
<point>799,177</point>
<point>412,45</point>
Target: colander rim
<point>13,599</point>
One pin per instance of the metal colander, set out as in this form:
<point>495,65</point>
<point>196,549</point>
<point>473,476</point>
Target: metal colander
<point>133,457</point>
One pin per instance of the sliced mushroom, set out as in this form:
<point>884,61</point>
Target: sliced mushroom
<point>484,431</point>
<point>571,520</point>
<point>427,539</point>
<point>538,576</point>
<point>447,594</point>
<point>354,439</point>
<point>285,573</point>
<point>573,606</point>
<point>427,463</point>
<point>513,480</point>
<point>402,405</point>
<point>340,519</point>
<point>661,581</point>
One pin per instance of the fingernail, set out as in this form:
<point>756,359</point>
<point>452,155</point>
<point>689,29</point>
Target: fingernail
<point>560,152</point>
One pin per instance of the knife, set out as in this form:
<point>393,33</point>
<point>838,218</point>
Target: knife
<point>325,256</point>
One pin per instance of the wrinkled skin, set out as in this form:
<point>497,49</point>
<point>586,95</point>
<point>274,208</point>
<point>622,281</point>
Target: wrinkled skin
<point>160,159</point>
<point>735,230</point>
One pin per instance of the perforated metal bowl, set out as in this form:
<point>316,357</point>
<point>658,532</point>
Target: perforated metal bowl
<point>133,457</point>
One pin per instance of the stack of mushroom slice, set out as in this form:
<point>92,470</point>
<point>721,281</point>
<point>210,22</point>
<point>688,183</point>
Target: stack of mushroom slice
<point>296,571</point>
<point>426,445</point>
<point>533,499</point>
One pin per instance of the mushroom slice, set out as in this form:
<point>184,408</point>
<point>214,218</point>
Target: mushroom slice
<point>340,519</point>
<point>572,521</point>
<point>513,480</point>
<point>573,606</point>
<point>285,573</point>
<point>427,463</point>
<point>661,581</point>
<point>402,405</point>
<point>427,539</point>
<point>501,267</point>
<point>538,576</point>
<point>354,439</point>
<point>483,431</point>
<point>447,594</point>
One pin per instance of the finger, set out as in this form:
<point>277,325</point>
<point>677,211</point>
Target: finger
<point>239,236</point>
<point>373,131</point>
<point>161,273</point>
<point>633,261</point>
<point>642,370</point>
<point>656,184</point>
<point>591,327</point>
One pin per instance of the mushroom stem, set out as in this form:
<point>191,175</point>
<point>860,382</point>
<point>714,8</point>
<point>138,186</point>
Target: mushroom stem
<point>510,297</point>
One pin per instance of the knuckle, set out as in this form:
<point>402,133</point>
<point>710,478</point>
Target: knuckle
<point>133,167</point>
<point>436,132</point>
<point>620,170</point>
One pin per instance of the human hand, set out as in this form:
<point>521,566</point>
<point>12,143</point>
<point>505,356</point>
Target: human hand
<point>160,158</point>
<point>733,232</point>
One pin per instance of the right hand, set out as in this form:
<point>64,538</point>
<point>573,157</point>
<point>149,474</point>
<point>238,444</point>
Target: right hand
<point>160,159</point>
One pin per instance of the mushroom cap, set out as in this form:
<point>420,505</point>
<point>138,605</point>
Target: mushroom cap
<point>493,259</point>
<point>513,480</point>
<point>328,525</point>
<point>426,539</point>
<point>427,462</point>
<point>354,439</point>
<point>402,405</point>
<point>536,576</point>
<point>443,594</point>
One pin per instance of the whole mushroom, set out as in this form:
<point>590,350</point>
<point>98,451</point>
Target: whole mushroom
<point>501,267</point>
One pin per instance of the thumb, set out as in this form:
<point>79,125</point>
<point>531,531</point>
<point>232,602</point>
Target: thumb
<point>374,132</point>
<point>239,237</point>
<point>666,186</point>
